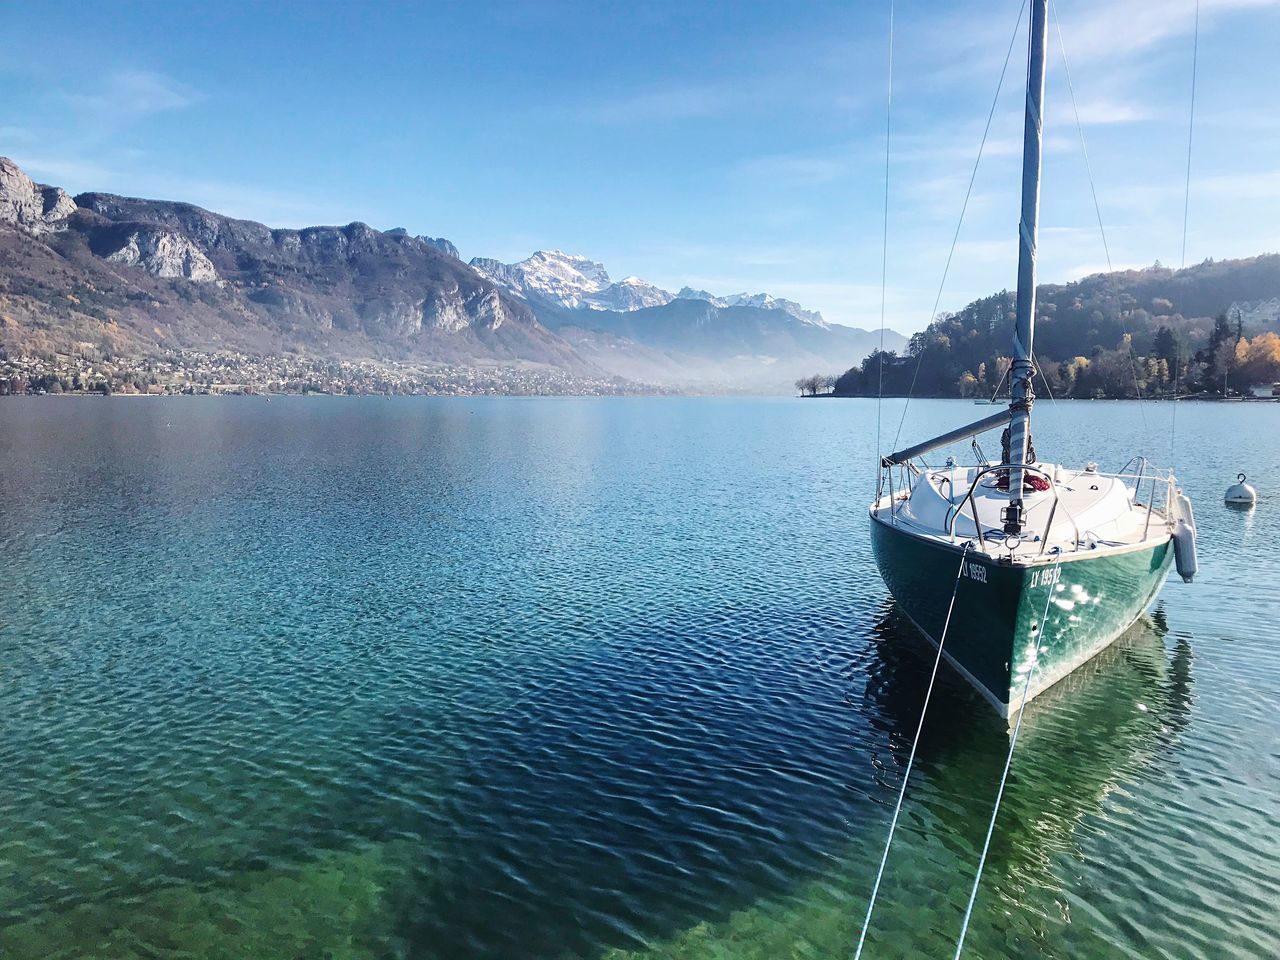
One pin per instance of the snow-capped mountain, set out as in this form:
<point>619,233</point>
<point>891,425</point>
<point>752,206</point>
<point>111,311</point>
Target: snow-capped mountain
<point>761,300</point>
<point>636,329</point>
<point>571,281</point>
<point>688,293</point>
<point>559,277</point>
<point>575,282</point>
<point>630,293</point>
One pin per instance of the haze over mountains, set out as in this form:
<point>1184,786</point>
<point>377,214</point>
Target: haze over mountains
<point>138,277</point>
<point>635,329</point>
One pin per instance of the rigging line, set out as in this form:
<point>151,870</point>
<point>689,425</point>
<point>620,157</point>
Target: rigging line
<point>884,242</point>
<point>1008,760</point>
<point>911,757</point>
<point>1191,128</point>
<point>1057,25</point>
<point>1017,27</point>
<point>1097,209</point>
<point>1186,210</point>
<point>1001,383</point>
<point>1045,380</point>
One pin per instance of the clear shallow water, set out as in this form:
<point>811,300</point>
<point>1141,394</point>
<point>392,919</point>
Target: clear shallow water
<point>598,678</point>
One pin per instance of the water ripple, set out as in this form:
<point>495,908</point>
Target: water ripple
<point>493,679</point>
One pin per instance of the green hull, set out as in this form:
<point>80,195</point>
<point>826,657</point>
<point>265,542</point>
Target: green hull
<point>1091,597</point>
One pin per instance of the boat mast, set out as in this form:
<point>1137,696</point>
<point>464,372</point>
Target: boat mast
<point>1023,368</point>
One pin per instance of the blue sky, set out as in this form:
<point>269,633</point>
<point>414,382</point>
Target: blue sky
<point>731,146</point>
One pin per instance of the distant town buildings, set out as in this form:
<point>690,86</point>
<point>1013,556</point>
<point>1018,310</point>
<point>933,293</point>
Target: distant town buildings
<point>195,372</point>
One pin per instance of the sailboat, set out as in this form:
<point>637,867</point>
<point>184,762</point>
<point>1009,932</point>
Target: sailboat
<point>1023,570</point>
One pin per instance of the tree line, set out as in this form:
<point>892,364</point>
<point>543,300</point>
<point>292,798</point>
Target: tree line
<point>815,385</point>
<point>1094,339</point>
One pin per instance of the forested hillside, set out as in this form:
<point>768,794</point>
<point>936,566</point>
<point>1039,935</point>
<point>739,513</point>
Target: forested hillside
<point>1124,334</point>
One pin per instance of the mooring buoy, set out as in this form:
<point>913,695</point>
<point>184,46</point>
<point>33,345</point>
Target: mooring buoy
<point>1241,493</point>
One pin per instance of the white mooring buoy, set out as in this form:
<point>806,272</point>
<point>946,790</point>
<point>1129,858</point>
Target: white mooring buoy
<point>1241,493</point>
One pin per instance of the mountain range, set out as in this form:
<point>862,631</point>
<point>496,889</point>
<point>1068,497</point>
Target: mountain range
<point>635,329</point>
<point>571,282</point>
<point>138,277</point>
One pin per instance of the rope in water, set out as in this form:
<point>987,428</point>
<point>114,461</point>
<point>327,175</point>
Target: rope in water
<point>911,757</point>
<point>884,245</point>
<point>1008,760</point>
<point>955,239</point>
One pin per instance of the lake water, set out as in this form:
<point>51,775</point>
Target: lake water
<point>454,678</point>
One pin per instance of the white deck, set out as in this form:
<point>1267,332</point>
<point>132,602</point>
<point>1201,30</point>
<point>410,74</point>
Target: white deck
<point>1082,510</point>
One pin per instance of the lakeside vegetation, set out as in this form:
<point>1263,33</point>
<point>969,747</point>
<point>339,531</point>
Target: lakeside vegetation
<point>1137,333</point>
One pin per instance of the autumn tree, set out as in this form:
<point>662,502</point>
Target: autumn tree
<point>1261,360</point>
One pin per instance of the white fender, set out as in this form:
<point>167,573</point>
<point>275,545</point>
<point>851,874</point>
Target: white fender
<point>1184,550</point>
<point>1185,512</point>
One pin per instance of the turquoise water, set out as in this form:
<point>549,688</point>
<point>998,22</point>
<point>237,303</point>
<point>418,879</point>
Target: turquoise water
<point>453,678</point>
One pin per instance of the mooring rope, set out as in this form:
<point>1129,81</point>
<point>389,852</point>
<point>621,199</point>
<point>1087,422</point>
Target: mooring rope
<point>911,757</point>
<point>1008,760</point>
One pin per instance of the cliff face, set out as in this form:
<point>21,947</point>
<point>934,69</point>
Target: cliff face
<point>162,253</point>
<point>141,274</point>
<point>31,205</point>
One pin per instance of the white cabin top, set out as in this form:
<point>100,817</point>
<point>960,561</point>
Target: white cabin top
<point>1081,509</point>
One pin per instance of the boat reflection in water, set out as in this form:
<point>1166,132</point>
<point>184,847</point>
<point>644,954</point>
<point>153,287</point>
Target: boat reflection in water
<point>1138,669</point>
<point>1082,739</point>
